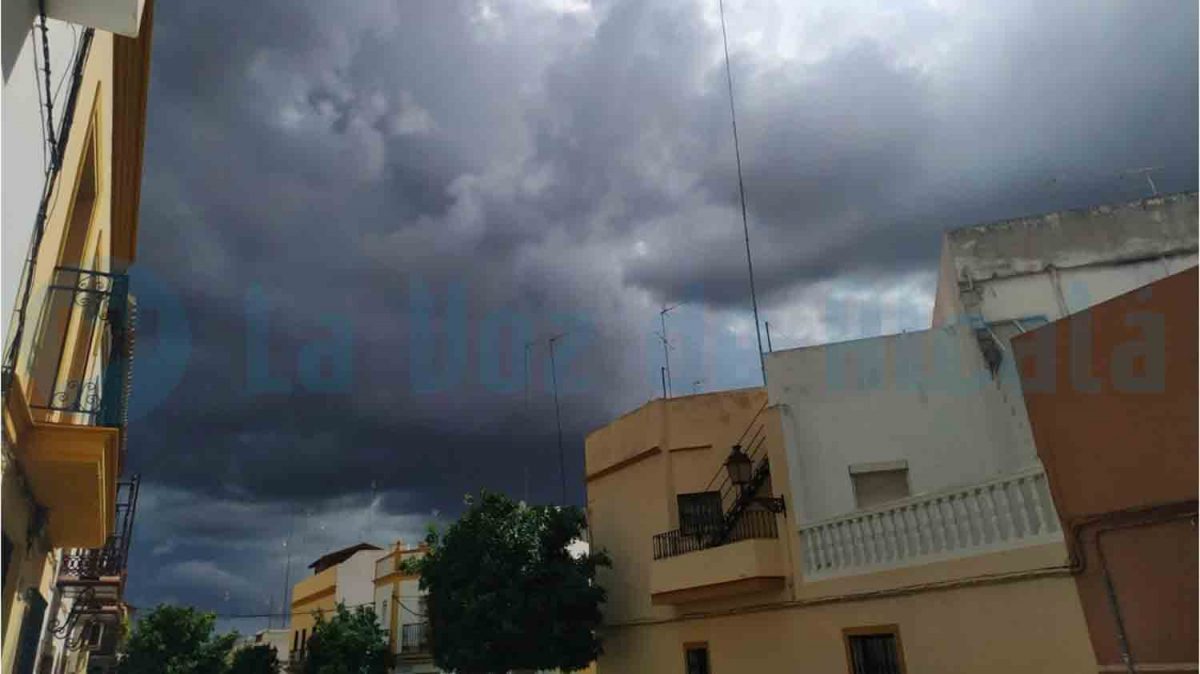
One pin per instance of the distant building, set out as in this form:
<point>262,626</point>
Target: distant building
<point>1114,415</point>
<point>885,509</point>
<point>344,576</point>
<point>72,164</point>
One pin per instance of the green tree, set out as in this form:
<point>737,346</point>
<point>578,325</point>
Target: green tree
<point>504,593</point>
<point>176,640</point>
<point>257,659</point>
<point>351,642</point>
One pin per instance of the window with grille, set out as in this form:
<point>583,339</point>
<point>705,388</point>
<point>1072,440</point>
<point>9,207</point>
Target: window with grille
<point>874,651</point>
<point>695,659</point>
<point>699,512</point>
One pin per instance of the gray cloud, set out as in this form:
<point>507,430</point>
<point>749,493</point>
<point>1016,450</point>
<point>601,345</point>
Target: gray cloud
<point>568,165</point>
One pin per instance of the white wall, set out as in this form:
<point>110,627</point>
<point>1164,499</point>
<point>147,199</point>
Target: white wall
<point>924,397</point>
<point>356,579</point>
<point>23,128</point>
<point>1077,289</point>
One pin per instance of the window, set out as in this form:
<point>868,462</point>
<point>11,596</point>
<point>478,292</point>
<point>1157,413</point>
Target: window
<point>878,483</point>
<point>31,631</point>
<point>695,658</point>
<point>94,633</point>
<point>8,550</point>
<point>874,650</point>
<point>699,512</point>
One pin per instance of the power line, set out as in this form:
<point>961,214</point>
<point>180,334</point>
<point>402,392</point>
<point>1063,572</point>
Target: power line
<point>762,363</point>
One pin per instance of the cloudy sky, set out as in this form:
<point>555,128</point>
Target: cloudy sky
<point>359,218</point>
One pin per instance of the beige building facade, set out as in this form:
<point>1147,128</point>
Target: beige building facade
<point>885,509</point>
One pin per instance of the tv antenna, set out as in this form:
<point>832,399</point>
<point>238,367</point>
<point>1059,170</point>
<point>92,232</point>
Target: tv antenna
<point>562,463</point>
<point>737,152</point>
<point>666,342</point>
<point>1146,172</point>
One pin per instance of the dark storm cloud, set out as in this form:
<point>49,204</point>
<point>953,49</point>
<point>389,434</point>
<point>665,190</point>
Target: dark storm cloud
<point>366,209</point>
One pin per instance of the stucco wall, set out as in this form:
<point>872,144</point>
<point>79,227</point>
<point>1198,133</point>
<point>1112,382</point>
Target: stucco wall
<point>1030,627</point>
<point>639,463</point>
<point>356,578</point>
<point>1120,439</point>
<point>924,397</point>
<point>23,151</point>
<point>1054,264</point>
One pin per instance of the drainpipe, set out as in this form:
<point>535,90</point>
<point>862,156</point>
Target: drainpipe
<point>1145,516</point>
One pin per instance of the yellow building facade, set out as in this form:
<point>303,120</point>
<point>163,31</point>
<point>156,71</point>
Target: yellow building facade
<point>343,577</point>
<point>400,605</point>
<point>694,590</point>
<point>69,347</point>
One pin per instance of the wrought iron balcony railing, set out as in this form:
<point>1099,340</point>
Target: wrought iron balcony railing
<point>86,565</point>
<point>731,515</point>
<point>414,638</point>
<point>81,363</point>
<point>751,524</point>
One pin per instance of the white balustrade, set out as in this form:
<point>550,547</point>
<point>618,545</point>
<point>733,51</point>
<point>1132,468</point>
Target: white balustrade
<point>1009,512</point>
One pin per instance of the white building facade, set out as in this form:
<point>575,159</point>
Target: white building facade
<point>911,448</point>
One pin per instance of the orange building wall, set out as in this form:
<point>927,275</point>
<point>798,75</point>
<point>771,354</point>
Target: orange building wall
<point>1112,399</point>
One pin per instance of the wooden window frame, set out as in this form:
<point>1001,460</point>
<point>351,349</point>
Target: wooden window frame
<point>692,645</point>
<point>892,630</point>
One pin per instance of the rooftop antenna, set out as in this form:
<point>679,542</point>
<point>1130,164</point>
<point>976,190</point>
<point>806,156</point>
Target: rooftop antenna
<point>1146,172</point>
<point>287,567</point>
<point>737,151</point>
<point>528,346</point>
<point>662,316</point>
<point>562,463</point>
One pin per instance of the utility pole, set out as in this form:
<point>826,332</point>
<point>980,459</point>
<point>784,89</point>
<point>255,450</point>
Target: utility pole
<point>562,462</point>
<point>662,317</point>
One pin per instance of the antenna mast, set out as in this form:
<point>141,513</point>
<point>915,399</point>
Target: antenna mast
<point>742,195</point>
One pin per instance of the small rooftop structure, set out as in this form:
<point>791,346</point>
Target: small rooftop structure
<point>338,556</point>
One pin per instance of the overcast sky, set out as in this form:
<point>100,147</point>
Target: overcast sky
<point>355,216</point>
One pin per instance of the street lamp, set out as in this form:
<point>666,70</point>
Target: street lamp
<point>741,473</point>
<point>739,466</point>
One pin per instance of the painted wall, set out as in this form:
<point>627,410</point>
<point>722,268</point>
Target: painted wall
<point>924,397</point>
<point>635,468</point>
<point>1033,626</point>
<point>24,149</point>
<point>1119,445</point>
<point>1055,264</point>
<point>356,579</point>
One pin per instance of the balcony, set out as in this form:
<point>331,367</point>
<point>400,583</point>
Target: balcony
<point>414,640</point>
<point>104,567</point>
<point>701,564</point>
<point>66,413</point>
<point>1003,514</point>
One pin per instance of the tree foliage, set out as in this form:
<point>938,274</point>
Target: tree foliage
<point>351,642</point>
<point>505,594</point>
<point>176,640</point>
<point>257,659</point>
